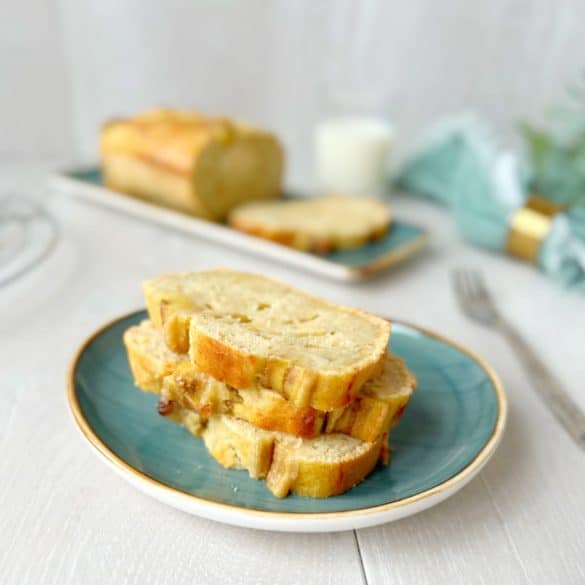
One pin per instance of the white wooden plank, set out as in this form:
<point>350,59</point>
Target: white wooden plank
<point>537,485</point>
<point>459,542</point>
<point>67,519</point>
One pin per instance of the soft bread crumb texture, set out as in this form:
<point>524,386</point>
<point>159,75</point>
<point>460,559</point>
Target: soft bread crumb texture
<point>375,410</point>
<point>320,224</point>
<point>248,330</point>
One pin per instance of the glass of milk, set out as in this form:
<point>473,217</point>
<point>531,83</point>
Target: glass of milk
<point>351,154</point>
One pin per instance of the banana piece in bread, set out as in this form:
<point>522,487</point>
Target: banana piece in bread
<point>325,466</point>
<point>248,330</point>
<point>264,408</point>
<point>183,387</point>
<point>379,405</point>
<point>150,360</point>
<point>319,224</point>
<point>200,165</point>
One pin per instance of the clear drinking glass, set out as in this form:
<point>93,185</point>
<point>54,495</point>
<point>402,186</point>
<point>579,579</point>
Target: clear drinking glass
<point>353,140</point>
<point>28,234</point>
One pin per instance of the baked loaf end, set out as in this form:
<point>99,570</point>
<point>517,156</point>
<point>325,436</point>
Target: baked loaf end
<point>198,164</point>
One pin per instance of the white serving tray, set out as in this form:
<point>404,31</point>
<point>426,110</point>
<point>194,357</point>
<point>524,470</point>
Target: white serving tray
<point>402,241</point>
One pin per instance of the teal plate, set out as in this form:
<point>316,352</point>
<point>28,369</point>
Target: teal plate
<point>450,429</point>
<point>402,241</point>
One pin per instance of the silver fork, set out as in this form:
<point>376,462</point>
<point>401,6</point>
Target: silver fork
<point>477,303</point>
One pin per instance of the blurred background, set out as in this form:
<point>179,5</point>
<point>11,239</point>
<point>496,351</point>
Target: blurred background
<point>66,66</point>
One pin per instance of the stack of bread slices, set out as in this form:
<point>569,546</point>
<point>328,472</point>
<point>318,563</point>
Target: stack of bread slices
<point>296,390</point>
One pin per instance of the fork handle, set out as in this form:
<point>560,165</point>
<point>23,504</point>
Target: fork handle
<point>550,389</point>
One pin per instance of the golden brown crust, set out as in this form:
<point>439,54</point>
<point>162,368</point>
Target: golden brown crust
<point>323,391</point>
<point>367,418</point>
<point>307,244</point>
<point>319,479</point>
<point>221,363</point>
<point>284,237</point>
<point>168,139</point>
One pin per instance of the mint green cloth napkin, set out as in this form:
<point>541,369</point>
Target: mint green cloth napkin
<point>557,156</point>
<point>459,165</point>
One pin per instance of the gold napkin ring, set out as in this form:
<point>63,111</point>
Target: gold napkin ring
<point>529,226</point>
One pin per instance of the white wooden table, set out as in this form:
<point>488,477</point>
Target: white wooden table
<point>67,519</point>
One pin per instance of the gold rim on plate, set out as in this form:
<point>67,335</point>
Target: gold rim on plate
<point>469,470</point>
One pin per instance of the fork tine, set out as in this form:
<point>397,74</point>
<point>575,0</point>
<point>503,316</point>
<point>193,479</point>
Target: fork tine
<point>461,290</point>
<point>457,282</point>
<point>465,285</point>
<point>472,283</point>
<point>473,295</point>
<point>479,286</point>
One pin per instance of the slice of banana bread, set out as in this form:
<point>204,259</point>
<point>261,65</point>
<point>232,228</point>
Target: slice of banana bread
<point>325,466</point>
<point>319,224</point>
<point>248,330</point>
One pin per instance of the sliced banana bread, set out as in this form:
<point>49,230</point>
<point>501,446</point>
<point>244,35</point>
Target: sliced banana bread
<point>376,409</point>
<point>321,467</point>
<point>319,224</point>
<point>248,330</point>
